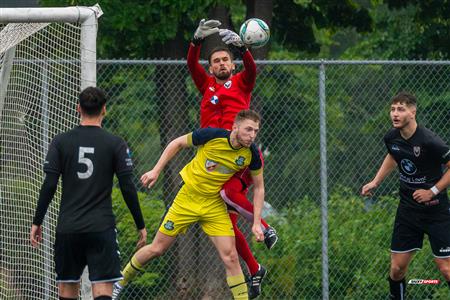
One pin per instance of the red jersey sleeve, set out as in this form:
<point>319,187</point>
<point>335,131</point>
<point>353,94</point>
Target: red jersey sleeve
<point>249,73</point>
<point>198,73</point>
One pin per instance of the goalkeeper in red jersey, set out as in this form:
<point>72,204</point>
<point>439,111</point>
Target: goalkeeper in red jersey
<point>224,95</point>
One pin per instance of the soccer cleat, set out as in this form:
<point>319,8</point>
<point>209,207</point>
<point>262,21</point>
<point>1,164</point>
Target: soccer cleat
<point>270,237</point>
<point>254,285</point>
<point>117,288</point>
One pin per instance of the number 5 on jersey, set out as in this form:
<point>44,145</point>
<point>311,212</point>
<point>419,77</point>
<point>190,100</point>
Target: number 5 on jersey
<point>85,161</point>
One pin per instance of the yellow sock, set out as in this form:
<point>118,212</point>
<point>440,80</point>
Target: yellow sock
<point>238,286</point>
<point>130,271</point>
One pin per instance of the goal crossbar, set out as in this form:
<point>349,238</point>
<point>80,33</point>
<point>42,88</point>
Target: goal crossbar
<point>86,16</point>
<point>76,14</point>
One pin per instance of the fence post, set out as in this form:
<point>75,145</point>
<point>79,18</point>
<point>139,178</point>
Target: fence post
<point>323,180</point>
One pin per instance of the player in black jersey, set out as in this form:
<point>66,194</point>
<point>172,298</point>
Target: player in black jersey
<point>87,157</point>
<point>424,208</point>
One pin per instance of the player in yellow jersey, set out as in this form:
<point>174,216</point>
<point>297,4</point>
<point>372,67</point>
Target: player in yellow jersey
<point>221,153</point>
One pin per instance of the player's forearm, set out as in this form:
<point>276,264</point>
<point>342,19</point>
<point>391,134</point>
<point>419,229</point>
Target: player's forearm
<point>169,153</point>
<point>386,168</point>
<point>46,194</point>
<point>193,57</point>
<point>249,73</point>
<point>131,199</point>
<point>198,74</point>
<point>444,182</point>
<point>258,203</point>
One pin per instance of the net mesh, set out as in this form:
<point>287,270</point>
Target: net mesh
<point>37,102</point>
<point>146,97</point>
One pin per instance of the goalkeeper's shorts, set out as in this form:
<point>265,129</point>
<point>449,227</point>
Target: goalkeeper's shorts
<point>97,250</point>
<point>190,207</point>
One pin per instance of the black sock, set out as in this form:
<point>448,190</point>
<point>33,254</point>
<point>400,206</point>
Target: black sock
<point>397,289</point>
<point>103,298</point>
<point>63,298</point>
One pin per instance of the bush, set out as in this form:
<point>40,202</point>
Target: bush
<point>359,235</point>
<point>152,210</point>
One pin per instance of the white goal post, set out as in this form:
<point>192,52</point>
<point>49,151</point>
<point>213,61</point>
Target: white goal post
<point>47,56</point>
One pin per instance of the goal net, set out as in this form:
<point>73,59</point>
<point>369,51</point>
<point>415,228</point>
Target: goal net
<point>43,67</point>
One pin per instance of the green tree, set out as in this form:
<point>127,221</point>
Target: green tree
<point>296,24</point>
<point>401,30</point>
<point>433,20</point>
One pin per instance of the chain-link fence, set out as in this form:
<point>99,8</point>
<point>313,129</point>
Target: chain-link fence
<point>323,124</point>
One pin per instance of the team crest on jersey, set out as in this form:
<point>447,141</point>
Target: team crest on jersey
<point>210,165</point>
<point>240,161</point>
<point>227,84</point>
<point>214,100</point>
<point>416,150</point>
<point>169,225</point>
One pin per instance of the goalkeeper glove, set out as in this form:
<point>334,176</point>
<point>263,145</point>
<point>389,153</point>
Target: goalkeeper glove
<point>231,37</point>
<point>204,29</point>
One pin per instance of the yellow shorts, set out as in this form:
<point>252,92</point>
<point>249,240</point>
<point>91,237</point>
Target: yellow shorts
<point>190,207</point>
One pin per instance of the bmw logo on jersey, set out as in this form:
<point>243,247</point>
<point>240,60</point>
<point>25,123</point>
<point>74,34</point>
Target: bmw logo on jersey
<point>214,100</point>
<point>408,166</point>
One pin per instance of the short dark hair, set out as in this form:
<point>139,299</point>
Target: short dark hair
<point>92,100</point>
<point>217,49</point>
<point>247,115</point>
<point>405,98</point>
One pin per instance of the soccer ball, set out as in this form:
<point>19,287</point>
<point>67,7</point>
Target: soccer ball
<point>254,33</point>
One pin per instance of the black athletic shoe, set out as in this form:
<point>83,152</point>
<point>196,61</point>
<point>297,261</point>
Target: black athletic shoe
<point>270,237</point>
<point>254,285</point>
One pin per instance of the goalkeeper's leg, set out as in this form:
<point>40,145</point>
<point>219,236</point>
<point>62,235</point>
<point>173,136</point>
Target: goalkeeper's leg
<point>242,246</point>
<point>235,195</point>
<point>257,271</point>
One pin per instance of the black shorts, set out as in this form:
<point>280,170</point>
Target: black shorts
<point>98,250</point>
<point>410,227</point>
